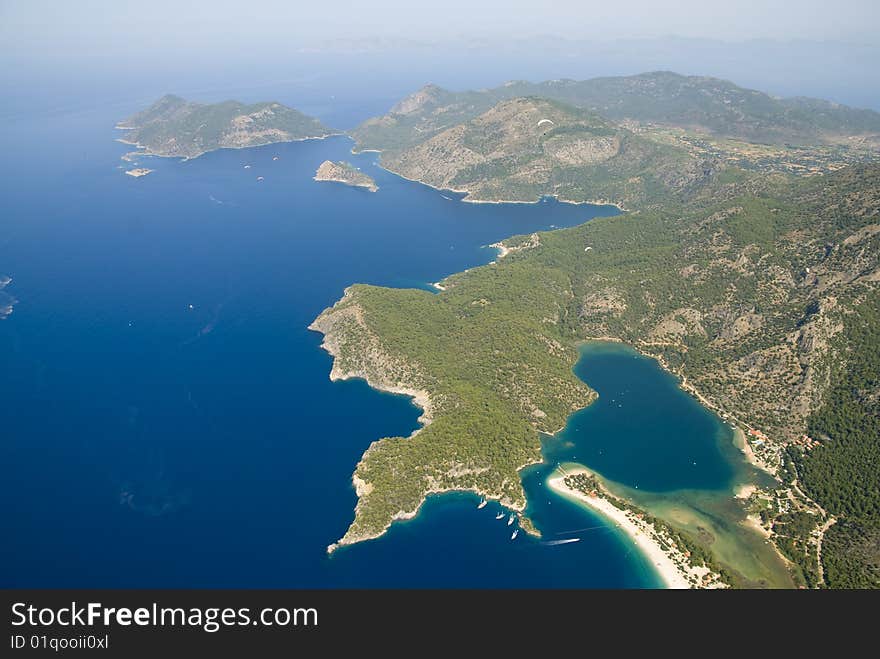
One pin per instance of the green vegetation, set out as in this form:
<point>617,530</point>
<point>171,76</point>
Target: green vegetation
<point>173,126</point>
<point>523,148</point>
<point>709,105</point>
<point>717,106</point>
<point>791,532</point>
<point>493,384</point>
<point>744,290</point>
<point>843,473</point>
<point>851,554</point>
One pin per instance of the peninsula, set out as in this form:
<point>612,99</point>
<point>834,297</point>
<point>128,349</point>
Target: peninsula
<point>343,172</point>
<point>760,292</point>
<point>176,127</point>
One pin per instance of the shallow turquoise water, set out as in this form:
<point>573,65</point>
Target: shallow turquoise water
<point>643,432</point>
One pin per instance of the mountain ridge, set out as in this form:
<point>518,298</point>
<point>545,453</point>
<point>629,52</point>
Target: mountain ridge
<point>524,148</point>
<point>667,97</point>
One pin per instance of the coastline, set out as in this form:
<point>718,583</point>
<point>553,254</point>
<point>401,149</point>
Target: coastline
<point>743,487</point>
<point>361,486</point>
<point>146,151</point>
<point>369,188</point>
<point>325,324</point>
<point>736,425</point>
<point>739,438</point>
<point>589,202</point>
<point>503,250</point>
<point>422,399</point>
<point>672,573</point>
<point>670,561</point>
<point>469,200</point>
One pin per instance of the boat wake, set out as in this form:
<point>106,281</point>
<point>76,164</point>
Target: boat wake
<point>553,543</point>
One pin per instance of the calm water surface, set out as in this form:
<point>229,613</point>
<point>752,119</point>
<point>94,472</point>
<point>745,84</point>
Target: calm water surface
<point>167,418</point>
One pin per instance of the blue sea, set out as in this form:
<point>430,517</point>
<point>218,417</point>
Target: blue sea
<point>168,420</point>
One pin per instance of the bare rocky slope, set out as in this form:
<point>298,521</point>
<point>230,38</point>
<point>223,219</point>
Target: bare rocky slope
<point>524,148</point>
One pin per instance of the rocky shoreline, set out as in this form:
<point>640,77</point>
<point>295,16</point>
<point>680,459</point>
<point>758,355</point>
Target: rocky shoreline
<point>343,172</point>
<point>331,323</point>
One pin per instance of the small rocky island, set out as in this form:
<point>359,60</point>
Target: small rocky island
<point>137,172</point>
<point>343,172</point>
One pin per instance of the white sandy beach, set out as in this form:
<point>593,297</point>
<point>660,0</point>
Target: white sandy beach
<point>669,572</point>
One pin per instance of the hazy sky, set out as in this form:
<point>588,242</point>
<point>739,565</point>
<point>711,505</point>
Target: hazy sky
<point>94,27</point>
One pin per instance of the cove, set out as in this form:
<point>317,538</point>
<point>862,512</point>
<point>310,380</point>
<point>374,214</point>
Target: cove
<point>652,443</point>
<point>643,431</point>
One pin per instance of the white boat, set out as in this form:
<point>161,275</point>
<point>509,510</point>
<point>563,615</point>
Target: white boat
<point>514,534</point>
<point>510,520</point>
<point>552,543</point>
<point>499,516</point>
<point>483,503</point>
